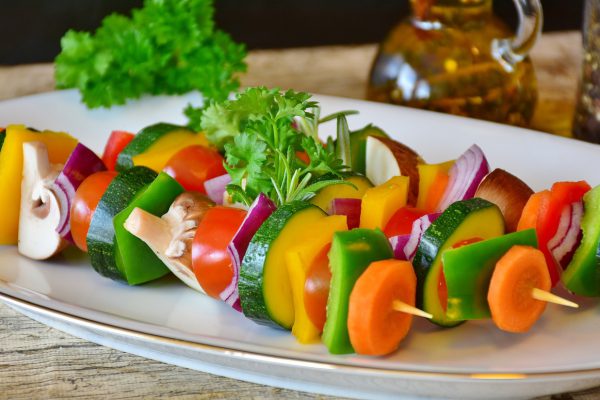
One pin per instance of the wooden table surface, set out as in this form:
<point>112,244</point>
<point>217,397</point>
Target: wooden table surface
<point>40,362</point>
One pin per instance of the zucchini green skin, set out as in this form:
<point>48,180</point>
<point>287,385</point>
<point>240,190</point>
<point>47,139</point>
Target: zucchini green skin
<point>101,235</point>
<point>351,254</point>
<point>251,282</point>
<point>2,137</point>
<point>142,142</point>
<point>427,261</point>
<point>582,275</point>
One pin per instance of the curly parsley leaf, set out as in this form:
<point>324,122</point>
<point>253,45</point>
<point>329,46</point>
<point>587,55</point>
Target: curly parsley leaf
<point>264,148</point>
<point>166,47</point>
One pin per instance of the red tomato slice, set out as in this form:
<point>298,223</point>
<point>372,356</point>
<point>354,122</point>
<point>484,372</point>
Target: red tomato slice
<point>84,204</point>
<point>194,165</point>
<point>402,221</point>
<point>316,289</point>
<point>117,141</point>
<point>210,261</point>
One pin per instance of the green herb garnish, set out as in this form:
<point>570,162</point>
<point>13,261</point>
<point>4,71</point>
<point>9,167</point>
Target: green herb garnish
<point>166,47</point>
<point>261,135</point>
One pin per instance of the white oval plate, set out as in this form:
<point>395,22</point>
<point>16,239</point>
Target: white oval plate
<point>166,321</point>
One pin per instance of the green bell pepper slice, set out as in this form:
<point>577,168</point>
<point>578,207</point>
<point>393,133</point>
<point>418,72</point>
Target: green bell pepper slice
<point>136,261</point>
<point>468,271</point>
<point>582,275</point>
<point>350,255</point>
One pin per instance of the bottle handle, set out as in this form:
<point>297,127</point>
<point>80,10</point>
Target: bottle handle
<point>510,51</point>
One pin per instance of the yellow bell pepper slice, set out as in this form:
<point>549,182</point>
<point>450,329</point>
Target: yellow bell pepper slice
<point>60,145</point>
<point>428,174</point>
<point>327,194</point>
<point>157,156</point>
<point>299,258</point>
<point>381,202</point>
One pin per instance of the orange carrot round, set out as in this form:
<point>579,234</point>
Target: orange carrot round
<point>531,210</point>
<point>510,297</point>
<point>375,328</point>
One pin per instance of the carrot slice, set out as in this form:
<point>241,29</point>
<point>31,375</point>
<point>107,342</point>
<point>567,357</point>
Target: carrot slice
<point>531,210</point>
<point>375,328</point>
<point>510,298</point>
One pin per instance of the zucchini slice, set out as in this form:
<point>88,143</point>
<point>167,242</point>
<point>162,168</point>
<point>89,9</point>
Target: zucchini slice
<point>101,235</point>
<point>264,285</point>
<point>325,196</point>
<point>2,136</point>
<point>462,220</point>
<point>143,141</point>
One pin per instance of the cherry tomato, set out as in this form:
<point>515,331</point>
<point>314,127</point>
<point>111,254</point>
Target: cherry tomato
<point>117,141</point>
<point>402,221</point>
<point>210,261</point>
<point>442,287</point>
<point>316,289</point>
<point>84,204</point>
<point>194,165</point>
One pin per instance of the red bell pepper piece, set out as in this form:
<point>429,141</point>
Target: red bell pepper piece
<point>562,195</point>
<point>117,141</point>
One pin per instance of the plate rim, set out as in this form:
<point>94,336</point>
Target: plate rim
<point>120,331</point>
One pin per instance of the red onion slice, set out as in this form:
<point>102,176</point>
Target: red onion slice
<point>81,163</point>
<point>348,207</point>
<point>405,246</point>
<point>419,227</point>
<point>564,247</point>
<point>563,226</point>
<point>465,176</point>
<point>398,244</point>
<point>215,188</point>
<point>259,211</point>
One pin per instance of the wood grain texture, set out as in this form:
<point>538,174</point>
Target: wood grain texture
<point>40,362</point>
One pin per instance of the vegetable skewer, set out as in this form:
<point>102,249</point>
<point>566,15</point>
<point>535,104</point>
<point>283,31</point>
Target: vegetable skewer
<point>519,289</point>
<point>381,307</point>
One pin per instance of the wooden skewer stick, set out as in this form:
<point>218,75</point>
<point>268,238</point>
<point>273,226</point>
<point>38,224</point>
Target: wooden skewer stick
<point>543,295</point>
<point>406,308</point>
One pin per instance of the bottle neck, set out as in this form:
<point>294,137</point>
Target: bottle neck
<point>451,12</point>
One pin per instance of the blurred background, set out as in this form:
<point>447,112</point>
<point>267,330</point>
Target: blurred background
<point>33,28</point>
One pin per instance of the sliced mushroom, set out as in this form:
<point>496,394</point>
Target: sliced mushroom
<point>171,236</point>
<point>40,209</point>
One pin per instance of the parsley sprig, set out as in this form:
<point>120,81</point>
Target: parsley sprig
<point>263,134</point>
<point>166,47</point>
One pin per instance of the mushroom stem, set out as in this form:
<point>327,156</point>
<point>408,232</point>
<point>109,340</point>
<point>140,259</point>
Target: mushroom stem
<point>159,234</point>
<point>149,228</point>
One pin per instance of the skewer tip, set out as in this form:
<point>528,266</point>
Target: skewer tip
<point>548,297</point>
<point>408,309</point>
